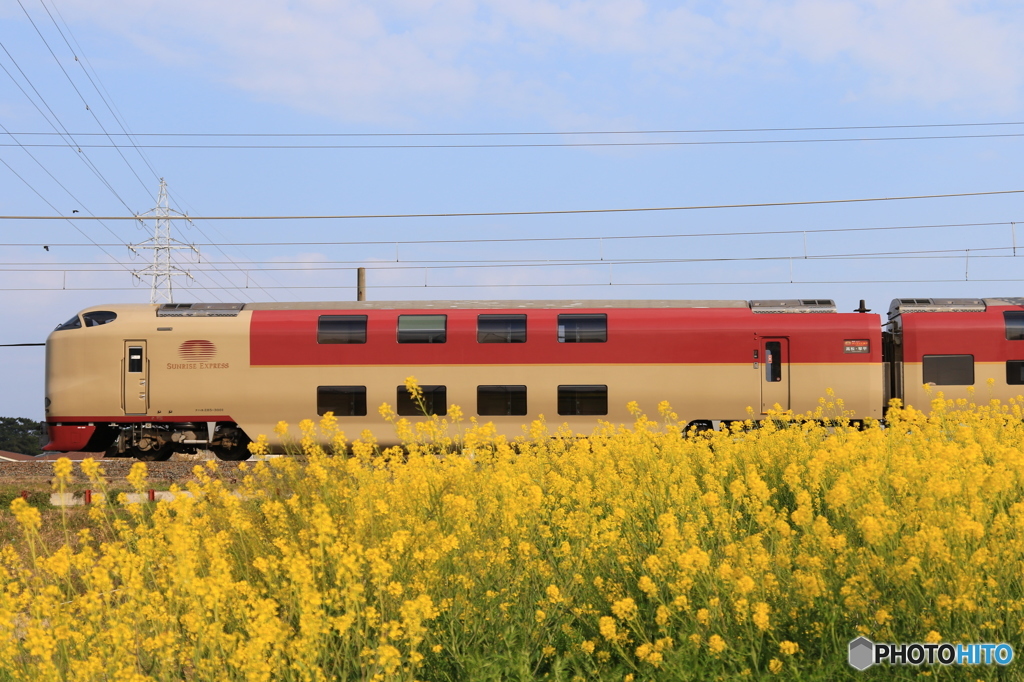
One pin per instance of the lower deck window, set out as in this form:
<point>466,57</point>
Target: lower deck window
<point>1015,372</point>
<point>500,400</point>
<point>435,401</point>
<point>948,370</point>
<point>584,400</point>
<point>343,401</point>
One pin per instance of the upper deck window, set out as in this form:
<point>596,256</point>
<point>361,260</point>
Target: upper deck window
<point>501,328</point>
<point>98,317</point>
<point>74,323</point>
<point>422,328</point>
<point>341,329</point>
<point>1014,320</point>
<point>583,328</point>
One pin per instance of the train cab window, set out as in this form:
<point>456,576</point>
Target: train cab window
<point>73,323</point>
<point>98,317</point>
<point>341,329</point>
<point>578,328</point>
<point>948,370</point>
<point>501,329</point>
<point>1014,320</point>
<point>343,401</point>
<point>422,328</point>
<point>435,401</point>
<point>1015,372</point>
<point>500,400</point>
<point>588,400</point>
<point>134,359</point>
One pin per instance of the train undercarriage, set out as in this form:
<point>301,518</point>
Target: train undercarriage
<point>155,442</point>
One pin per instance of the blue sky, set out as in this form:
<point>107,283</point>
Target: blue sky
<point>464,66</point>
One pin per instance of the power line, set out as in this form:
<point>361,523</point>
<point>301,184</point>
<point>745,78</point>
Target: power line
<point>502,240</point>
<point>322,266</point>
<point>496,145</point>
<point>484,214</point>
<point>574,132</point>
<point>563,285</point>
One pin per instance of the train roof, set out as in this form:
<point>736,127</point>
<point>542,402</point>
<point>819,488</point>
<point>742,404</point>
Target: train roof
<point>756,306</point>
<point>948,305</point>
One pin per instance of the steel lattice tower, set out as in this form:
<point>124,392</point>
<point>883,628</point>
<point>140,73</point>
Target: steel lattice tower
<point>162,270</point>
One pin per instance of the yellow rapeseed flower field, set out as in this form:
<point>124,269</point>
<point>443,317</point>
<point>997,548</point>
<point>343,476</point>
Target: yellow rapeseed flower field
<point>636,553</point>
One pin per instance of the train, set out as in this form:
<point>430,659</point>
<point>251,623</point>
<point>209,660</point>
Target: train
<point>146,381</point>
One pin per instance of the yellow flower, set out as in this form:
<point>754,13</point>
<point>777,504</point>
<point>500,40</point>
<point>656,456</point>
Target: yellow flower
<point>788,648</point>
<point>775,666</point>
<point>624,609</point>
<point>716,644</point>
<point>760,617</point>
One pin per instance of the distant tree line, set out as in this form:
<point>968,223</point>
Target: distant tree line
<point>18,434</point>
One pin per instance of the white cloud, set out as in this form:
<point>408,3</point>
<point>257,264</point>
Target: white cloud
<point>399,60</point>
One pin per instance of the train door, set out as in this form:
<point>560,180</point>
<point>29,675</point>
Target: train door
<point>135,378</point>
<point>775,374</point>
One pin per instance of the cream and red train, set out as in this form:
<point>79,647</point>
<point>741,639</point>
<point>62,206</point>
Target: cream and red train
<point>145,381</point>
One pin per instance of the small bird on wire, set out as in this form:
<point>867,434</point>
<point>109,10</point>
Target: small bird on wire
<point>47,248</point>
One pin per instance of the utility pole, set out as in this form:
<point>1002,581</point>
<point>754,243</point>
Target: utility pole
<point>360,284</point>
<point>161,271</point>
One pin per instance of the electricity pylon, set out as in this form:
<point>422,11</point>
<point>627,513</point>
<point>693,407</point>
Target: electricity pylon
<point>161,271</point>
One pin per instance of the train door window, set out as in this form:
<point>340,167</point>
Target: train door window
<point>500,400</point>
<point>1014,320</point>
<point>435,401</point>
<point>577,328</point>
<point>341,329</point>
<point>773,361</point>
<point>422,328</point>
<point>135,359</point>
<point>501,329</point>
<point>587,400</point>
<point>74,323</point>
<point>98,317</point>
<point>948,370</point>
<point>343,401</point>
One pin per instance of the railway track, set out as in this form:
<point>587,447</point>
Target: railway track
<point>115,469</point>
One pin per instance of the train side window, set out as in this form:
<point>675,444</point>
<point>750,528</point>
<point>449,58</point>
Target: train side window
<point>341,329</point>
<point>1015,372</point>
<point>135,359</point>
<point>589,400</point>
<point>500,400</point>
<point>435,401</point>
<point>501,329</point>
<point>422,328</point>
<point>948,370</point>
<point>582,328</point>
<point>73,323</point>
<point>98,317</point>
<point>773,361</point>
<point>343,401</point>
<point>1014,320</point>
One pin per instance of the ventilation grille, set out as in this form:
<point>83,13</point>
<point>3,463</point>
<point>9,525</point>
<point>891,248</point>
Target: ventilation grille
<point>812,305</point>
<point>936,305</point>
<point>199,309</point>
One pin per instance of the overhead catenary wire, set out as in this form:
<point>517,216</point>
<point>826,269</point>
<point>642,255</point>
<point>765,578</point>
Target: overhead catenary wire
<point>502,240</point>
<point>578,132</point>
<point>487,214</point>
<point>515,145</point>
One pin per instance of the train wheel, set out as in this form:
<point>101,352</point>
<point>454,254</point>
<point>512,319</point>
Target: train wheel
<point>161,454</point>
<point>235,454</point>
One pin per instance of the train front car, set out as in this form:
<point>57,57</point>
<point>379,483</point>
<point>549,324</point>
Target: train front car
<point>970,348</point>
<point>146,381</point>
